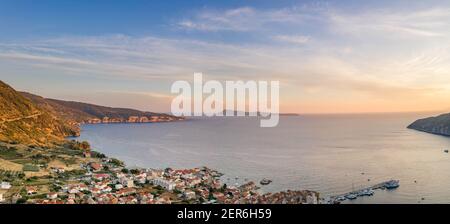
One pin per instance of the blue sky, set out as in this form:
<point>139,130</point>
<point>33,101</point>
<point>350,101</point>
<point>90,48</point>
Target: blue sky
<point>330,56</point>
<point>28,19</point>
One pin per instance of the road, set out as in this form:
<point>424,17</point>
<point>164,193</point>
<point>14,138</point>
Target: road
<point>21,118</point>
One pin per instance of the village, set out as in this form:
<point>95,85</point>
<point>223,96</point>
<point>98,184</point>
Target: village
<point>108,181</point>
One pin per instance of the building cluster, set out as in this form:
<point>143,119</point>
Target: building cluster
<point>106,182</point>
<point>113,185</point>
<point>132,119</point>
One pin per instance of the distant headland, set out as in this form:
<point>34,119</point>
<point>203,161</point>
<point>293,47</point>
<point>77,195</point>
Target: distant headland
<point>439,125</point>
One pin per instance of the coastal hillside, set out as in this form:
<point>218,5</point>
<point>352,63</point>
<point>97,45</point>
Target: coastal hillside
<point>88,113</point>
<point>23,121</point>
<point>30,119</point>
<point>439,125</point>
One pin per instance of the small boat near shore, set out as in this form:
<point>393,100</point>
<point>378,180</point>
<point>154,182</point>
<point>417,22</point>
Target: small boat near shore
<point>351,196</point>
<point>392,184</point>
<point>265,181</point>
<point>366,192</point>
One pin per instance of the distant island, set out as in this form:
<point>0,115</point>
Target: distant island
<point>258,113</point>
<point>439,125</point>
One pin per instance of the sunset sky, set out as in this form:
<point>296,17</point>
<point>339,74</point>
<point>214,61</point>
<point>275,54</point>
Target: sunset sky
<point>329,56</point>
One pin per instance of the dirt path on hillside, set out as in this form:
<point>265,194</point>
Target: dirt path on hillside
<point>21,118</point>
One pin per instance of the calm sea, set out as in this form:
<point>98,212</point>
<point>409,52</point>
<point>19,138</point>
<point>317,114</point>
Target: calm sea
<point>331,154</point>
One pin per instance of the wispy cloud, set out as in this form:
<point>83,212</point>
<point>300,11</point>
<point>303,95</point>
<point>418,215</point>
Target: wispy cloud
<point>250,19</point>
<point>393,23</point>
<point>327,53</point>
<point>137,57</point>
<point>297,39</point>
<point>427,22</point>
<point>239,19</point>
<point>308,74</point>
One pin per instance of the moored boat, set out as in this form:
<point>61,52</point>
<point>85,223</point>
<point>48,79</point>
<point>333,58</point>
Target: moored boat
<point>392,184</point>
<point>369,192</point>
<point>351,196</point>
<point>265,181</point>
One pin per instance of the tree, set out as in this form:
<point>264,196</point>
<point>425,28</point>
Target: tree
<point>224,187</point>
<point>21,200</point>
<point>97,155</point>
<point>116,162</point>
<point>210,196</point>
<point>135,171</point>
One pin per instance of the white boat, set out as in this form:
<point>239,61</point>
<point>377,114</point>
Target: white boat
<point>265,181</point>
<point>351,196</point>
<point>366,192</point>
<point>392,184</point>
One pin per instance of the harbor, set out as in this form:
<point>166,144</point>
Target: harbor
<point>362,192</point>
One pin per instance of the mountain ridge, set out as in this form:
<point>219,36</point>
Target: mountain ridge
<point>80,112</point>
<point>34,120</point>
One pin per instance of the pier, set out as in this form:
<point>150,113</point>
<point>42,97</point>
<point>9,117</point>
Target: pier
<point>366,191</point>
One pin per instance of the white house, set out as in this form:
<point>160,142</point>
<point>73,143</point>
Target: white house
<point>73,191</point>
<point>127,182</point>
<point>188,194</point>
<point>57,170</point>
<point>52,195</point>
<point>107,189</point>
<point>141,179</point>
<point>5,185</point>
<point>166,184</point>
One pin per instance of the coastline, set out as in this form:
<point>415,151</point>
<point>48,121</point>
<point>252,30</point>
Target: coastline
<point>104,180</point>
<point>298,166</point>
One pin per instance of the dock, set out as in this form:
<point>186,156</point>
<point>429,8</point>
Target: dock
<point>357,192</point>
